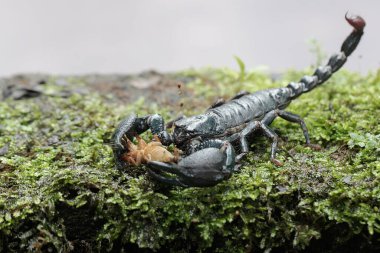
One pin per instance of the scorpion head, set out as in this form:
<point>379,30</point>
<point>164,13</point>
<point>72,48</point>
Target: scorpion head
<point>189,128</point>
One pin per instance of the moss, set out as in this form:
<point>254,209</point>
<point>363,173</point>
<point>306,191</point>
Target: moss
<point>60,191</point>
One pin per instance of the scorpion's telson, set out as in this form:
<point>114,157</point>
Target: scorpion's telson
<point>206,139</point>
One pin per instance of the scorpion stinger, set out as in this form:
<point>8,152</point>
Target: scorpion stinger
<point>205,139</point>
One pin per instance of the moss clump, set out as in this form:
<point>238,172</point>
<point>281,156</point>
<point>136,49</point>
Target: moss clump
<point>60,191</point>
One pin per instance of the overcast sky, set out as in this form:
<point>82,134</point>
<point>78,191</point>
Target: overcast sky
<point>125,36</point>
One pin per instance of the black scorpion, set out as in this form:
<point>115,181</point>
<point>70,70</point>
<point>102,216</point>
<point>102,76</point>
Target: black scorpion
<point>209,156</point>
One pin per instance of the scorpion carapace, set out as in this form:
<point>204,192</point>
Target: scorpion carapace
<point>208,155</point>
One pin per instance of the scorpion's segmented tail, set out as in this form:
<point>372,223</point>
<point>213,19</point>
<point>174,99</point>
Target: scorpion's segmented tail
<point>335,62</point>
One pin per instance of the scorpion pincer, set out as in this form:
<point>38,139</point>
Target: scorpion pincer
<point>208,155</point>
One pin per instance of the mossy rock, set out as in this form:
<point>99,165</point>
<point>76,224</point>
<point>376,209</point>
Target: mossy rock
<point>60,191</point>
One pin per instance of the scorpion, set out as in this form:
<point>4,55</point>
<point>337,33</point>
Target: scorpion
<point>208,140</point>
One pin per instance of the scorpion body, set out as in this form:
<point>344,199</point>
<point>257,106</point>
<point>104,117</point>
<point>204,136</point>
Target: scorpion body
<point>206,138</point>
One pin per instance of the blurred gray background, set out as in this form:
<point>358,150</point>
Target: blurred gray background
<point>125,36</point>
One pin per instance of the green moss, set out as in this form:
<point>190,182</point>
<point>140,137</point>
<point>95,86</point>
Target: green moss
<point>59,188</point>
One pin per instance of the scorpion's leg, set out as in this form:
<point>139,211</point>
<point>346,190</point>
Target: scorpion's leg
<point>272,135</point>
<point>291,117</point>
<point>211,162</point>
<point>268,119</point>
<point>263,125</point>
<point>250,128</point>
<point>265,122</point>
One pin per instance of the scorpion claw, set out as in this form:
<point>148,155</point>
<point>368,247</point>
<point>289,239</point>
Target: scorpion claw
<point>124,129</point>
<point>124,132</point>
<point>123,136</point>
<point>163,179</point>
<point>203,168</point>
